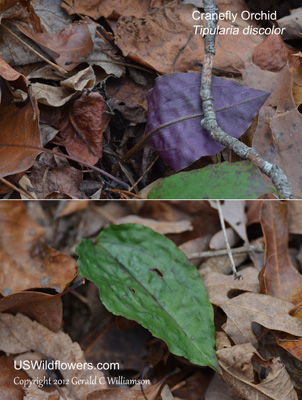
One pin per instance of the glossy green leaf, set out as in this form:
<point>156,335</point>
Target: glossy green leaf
<point>241,180</point>
<point>142,275</point>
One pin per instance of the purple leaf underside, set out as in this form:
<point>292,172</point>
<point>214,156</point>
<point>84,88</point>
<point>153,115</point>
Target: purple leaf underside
<point>175,100</point>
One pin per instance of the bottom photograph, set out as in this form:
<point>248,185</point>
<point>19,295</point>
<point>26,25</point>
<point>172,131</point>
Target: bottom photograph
<point>150,300</point>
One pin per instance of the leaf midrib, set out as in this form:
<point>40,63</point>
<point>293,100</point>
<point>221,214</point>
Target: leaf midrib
<point>150,294</point>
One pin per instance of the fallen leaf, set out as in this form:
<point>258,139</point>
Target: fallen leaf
<point>23,121</point>
<point>107,8</point>
<point>31,264</point>
<point>234,215</point>
<point>65,47</point>
<point>277,137</point>
<point>220,286</point>
<point>175,114</point>
<point>162,227</point>
<point>218,240</point>
<point>270,312</point>
<point>218,181</point>
<point>278,277</point>
<point>42,307</point>
<point>81,129</point>
<point>20,334</point>
<point>166,41</point>
<point>50,175</point>
<point>238,371</point>
<point>134,287</point>
<point>134,393</point>
<point>272,54</point>
<point>8,389</point>
<point>292,24</point>
<point>57,96</point>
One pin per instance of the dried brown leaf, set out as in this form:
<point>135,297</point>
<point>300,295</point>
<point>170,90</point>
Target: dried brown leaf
<point>278,277</point>
<point>81,129</point>
<point>20,334</point>
<point>19,124</point>
<point>26,261</point>
<point>42,307</point>
<point>65,47</point>
<point>239,373</point>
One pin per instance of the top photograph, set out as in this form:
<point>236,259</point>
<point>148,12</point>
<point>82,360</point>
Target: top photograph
<point>150,99</point>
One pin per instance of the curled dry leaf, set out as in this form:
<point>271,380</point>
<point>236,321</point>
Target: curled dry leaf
<point>239,372</point>
<point>278,277</point>
<point>20,334</point>
<point>19,125</point>
<point>81,129</point>
<point>163,227</point>
<point>30,263</point>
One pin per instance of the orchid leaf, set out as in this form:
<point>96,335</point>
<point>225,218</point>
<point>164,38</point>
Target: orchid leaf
<point>175,113</point>
<point>142,275</point>
<point>241,180</point>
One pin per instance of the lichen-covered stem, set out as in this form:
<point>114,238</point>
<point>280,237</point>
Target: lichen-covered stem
<point>275,173</point>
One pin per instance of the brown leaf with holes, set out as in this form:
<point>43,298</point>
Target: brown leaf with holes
<point>81,129</point>
<point>278,277</point>
<point>239,372</point>
<point>26,261</point>
<point>19,122</point>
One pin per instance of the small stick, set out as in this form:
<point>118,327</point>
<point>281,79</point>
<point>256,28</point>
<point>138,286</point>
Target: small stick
<point>19,190</point>
<point>41,149</point>
<point>144,174</point>
<point>224,252</point>
<point>272,171</point>
<point>220,213</point>
<point>61,70</point>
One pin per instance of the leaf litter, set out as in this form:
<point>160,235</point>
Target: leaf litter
<point>115,50</point>
<point>258,327</point>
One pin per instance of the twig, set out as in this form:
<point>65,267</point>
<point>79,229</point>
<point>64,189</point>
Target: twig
<point>275,173</point>
<point>236,276</point>
<point>41,149</point>
<point>19,190</point>
<point>224,252</point>
<point>61,70</point>
<point>144,174</point>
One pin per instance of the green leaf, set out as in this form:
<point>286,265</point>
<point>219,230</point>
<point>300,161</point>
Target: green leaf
<point>241,180</point>
<point>142,275</point>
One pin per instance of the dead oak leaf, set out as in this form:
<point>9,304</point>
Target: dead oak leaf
<point>239,373</point>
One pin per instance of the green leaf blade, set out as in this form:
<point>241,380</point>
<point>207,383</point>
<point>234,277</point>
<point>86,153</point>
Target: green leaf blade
<point>142,275</point>
<point>241,180</point>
